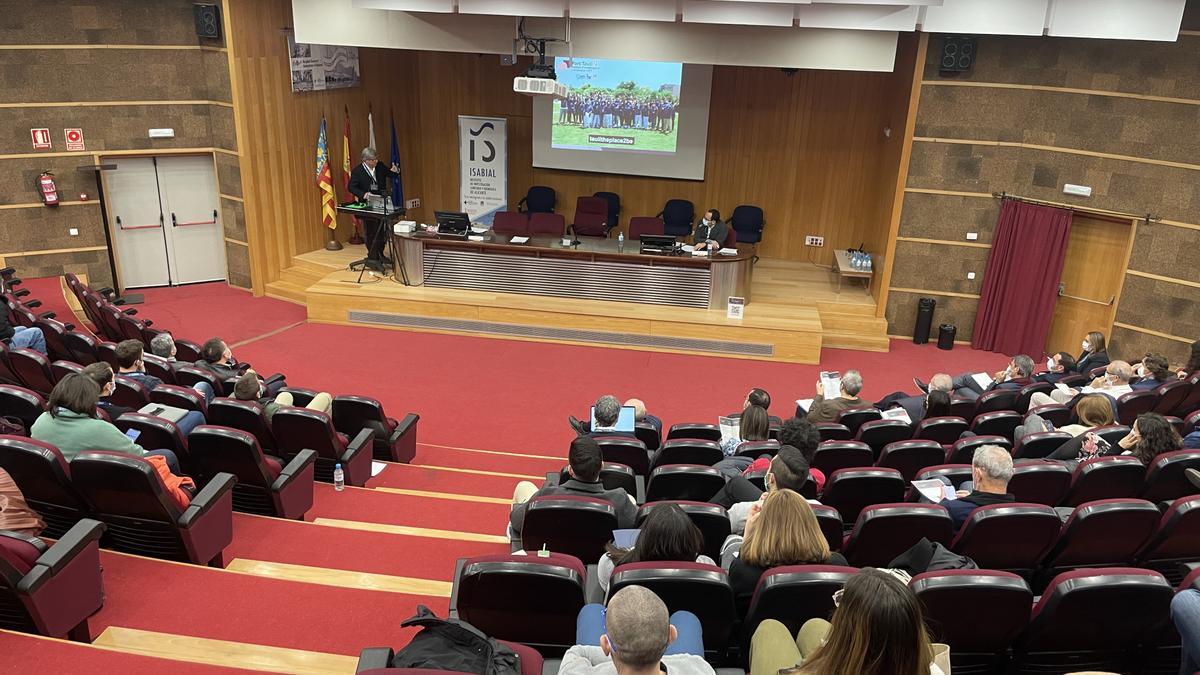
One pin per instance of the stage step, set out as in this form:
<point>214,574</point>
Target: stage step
<point>848,326</point>
<point>293,282</point>
<point>866,343</point>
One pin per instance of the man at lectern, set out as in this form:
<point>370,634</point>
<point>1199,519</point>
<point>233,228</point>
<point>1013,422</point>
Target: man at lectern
<point>711,231</point>
<point>371,178</point>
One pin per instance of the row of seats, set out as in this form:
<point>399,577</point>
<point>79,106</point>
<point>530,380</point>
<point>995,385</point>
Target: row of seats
<point>1108,618</point>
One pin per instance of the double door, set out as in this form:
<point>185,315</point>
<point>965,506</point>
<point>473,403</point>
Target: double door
<point>165,220</point>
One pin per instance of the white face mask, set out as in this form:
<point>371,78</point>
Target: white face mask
<point>1050,364</point>
<point>1141,371</point>
<point>1086,345</point>
<point>708,221</point>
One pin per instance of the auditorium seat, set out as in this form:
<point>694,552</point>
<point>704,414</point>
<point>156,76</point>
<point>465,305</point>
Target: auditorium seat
<point>711,519</point>
<point>33,370</point>
<point>625,450</point>
<point>854,418</point>
<point>683,481</point>
<point>833,455</point>
<point>698,588</point>
<point>158,367</point>
<point>963,450</point>
<point>793,594</point>
<point>135,329</point>
<point>7,374</point>
<point>884,531</point>
<point>510,223</point>
<point>730,239</point>
<point>747,221</point>
<point>51,590</point>
<point>640,225</point>
<point>1024,394</point>
<point>830,522</point>
<point>1165,480</point>
<point>301,396</point>
<point>678,215</point>
<point>538,199</point>
<point>978,612</point>
<point>1057,414</point>
<point>687,451</point>
<point>648,434</point>
<point>244,415</point>
<point>188,376</point>
<point>180,397</point>
<point>943,430</point>
<point>1175,540</point>
<point>129,393</point>
<point>833,431</point>
<point>613,476</point>
<point>24,404</point>
<point>706,432</point>
<point>186,351</point>
<point>1089,620</point>
<point>297,429</point>
<point>106,351</point>
<point>878,433</point>
<point>852,490</point>
<point>756,449</point>
<point>1040,444</point>
<point>591,217</point>
<point>395,440</point>
<point>1113,433</point>
<point>961,406</point>
<point>1040,482</point>
<point>1102,532</point>
<point>613,201</point>
<point>548,223</point>
<point>1013,537</point>
<point>533,600</point>
<point>996,423</point>
<point>997,399</point>
<point>910,457</point>
<point>577,526</point>
<point>264,486</point>
<point>156,433</point>
<point>1175,423</point>
<point>1105,478</point>
<point>44,477</point>
<point>54,331</point>
<point>1136,402</point>
<point>127,495</point>
<point>1192,402</point>
<point>1171,395</point>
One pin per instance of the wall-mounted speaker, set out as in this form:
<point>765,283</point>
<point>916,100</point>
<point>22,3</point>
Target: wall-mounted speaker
<point>958,54</point>
<point>208,21</point>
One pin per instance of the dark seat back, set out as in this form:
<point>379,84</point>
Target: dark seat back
<point>963,450</point>
<point>1024,394</point>
<point>613,202</point>
<point>1171,395</point>
<point>159,368</point>
<point>944,430</point>
<point>45,480</point>
<point>793,594</point>
<point>1136,402</point>
<point>244,415</point>
<point>1010,537</point>
<point>555,224</point>
<point>640,225</point>
<point>756,449</point>
<point>494,593</point>
<point>1105,478</point>
<point>54,332</point>
<point>511,223</point>
<point>833,431</point>
<point>1165,479</point>
<point>705,432</point>
<point>996,423</point>
<point>577,526</point>
<point>884,531</point>
<point>130,393</point>
<point>698,588</point>
<point>683,481</point>
<point>677,216</point>
<point>591,217</point>
<point>156,433</point>
<point>1040,444</point>
<point>747,221</point>
<point>851,490</point>
<point>540,199</point>
<point>24,404</point>
<point>854,418</point>
<point>911,457</point>
<point>688,451</point>
<point>948,595</point>
<point>1040,482</point>
<point>625,450</point>
<point>997,399</point>
<point>834,455</point>
<point>126,494</point>
<point>297,429</point>
<point>1103,532</point>
<point>879,433</point>
<point>33,369</point>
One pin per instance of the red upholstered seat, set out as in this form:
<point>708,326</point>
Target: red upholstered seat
<point>884,531</point>
<point>1011,537</point>
<point>640,225</point>
<point>494,593</point>
<point>264,485</point>
<point>20,551</point>
<point>949,595</point>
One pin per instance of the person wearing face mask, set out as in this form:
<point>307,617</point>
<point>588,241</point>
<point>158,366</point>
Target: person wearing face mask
<point>1114,383</point>
<point>1193,364</point>
<point>711,231</point>
<point>1058,366</point>
<point>1094,353</point>
<point>1152,372</point>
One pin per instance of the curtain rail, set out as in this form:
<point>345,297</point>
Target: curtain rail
<point>1148,217</point>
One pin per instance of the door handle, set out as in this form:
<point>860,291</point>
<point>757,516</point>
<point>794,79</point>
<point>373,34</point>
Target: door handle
<point>137,227</point>
<point>176,223</point>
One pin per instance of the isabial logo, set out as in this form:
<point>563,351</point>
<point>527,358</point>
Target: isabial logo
<point>491,149</point>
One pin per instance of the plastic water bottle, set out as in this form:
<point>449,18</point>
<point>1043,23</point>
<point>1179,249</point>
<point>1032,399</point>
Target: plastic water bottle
<point>620,241</point>
<point>339,478</point>
<point>867,260</point>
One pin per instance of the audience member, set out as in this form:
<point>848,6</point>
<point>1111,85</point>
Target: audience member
<point>1193,364</point>
<point>1152,372</point>
<point>21,337</point>
<point>217,358</point>
<point>640,414</point>
<point>828,410</point>
<point>608,410</point>
<point>917,407</point>
<point>758,397</point>
<point>1114,383</point>
<point>788,470</point>
<point>991,469</point>
<point>1185,613</point>
<point>1015,376</point>
<point>783,530</point>
<point>634,636</point>
<point>131,365</point>
<point>937,404</point>
<point>1093,410</point>
<point>102,374</point>
<point>163,346</point>
<point>1192,441</point>
<point>1094,353</point>
<point>1058,366</point>
<point>250,387</point>
<point>15,514</point>
<point>583,463</point>
<point>877,629</point>
<point>754,426</point>
<point>1151,436</point>
<point>666,534</point>
<point>70,423</point>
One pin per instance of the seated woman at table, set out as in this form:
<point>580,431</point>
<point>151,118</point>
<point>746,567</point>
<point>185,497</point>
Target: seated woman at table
<point>711,231</point>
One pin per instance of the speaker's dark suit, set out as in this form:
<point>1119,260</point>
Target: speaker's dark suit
<point>361,182</point>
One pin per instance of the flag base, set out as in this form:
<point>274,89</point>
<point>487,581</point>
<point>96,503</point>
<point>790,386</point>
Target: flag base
<point>333,244</point>
<point>356,238</point>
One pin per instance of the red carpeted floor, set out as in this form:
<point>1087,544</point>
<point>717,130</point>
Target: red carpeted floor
<point>415,477</point>
<point>491,460</point>
<point>396,509</point>
<point>27,654</point>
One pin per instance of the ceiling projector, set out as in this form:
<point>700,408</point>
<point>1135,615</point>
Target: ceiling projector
<point>540,86</point>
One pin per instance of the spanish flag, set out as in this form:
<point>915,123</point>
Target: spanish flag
<point>325,181</point>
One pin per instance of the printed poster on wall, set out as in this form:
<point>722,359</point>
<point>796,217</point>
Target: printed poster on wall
<point>483,156</point>
<point>317,67</point>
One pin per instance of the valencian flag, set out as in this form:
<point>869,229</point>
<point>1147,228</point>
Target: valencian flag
<point>397,186</point>
<point>325,181</point>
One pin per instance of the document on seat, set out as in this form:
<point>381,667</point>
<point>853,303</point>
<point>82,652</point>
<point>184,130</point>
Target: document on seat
<point>377,468</point>
<point>518,239</point>
<point>804,403</point>
<point>731,427</point>
<point>897,414</point>
<point>984,380</point>
<point>934,490</point>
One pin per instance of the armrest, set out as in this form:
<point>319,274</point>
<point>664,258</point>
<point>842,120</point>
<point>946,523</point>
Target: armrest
<point>210,495</point>
<point>130,311</point>
<point>106,292</point>
<point>374,658</point>
<point>592,592</point>
<point>301,461</point>
<point>458,568</point>
<point>639,483</point>
<point>363,440</point>
<point>404,426</point>
<point>30,539</point>
<point>75,540</point>
<point>147,322</point>
<point>68,326</point>
<point>46,315</point>
<point>24,292</point>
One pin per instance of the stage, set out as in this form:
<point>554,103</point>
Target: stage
<point>796,309</point>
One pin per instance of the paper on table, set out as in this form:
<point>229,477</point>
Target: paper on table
<point>897,414</point>
<point>687,248</point>
<point>475,237</point>
<point>731,427</point>
<point>728,251</point>
<point>518,240</point>
<point>377,468</point>
<point>983,380</point>
<point>804,403</point>
<point>700,252</point>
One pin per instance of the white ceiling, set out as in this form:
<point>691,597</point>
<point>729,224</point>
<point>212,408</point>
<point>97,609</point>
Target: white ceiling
<point>1112,19</point>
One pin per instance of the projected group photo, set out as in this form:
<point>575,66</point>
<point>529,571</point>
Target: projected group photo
<point>631,106</point>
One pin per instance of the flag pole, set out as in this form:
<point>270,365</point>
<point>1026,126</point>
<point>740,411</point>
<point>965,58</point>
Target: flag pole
<point>347,152</point>
<point>324,182</point>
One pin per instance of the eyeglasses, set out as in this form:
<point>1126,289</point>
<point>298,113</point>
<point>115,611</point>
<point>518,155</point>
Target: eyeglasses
<point>837,597</point>
<point>604,626</point>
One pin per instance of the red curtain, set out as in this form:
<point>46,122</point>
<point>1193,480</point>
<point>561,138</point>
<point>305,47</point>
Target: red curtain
<point>1020,285</point>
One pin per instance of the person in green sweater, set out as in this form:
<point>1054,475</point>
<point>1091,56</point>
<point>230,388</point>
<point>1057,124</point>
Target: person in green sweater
<point>71,425</point>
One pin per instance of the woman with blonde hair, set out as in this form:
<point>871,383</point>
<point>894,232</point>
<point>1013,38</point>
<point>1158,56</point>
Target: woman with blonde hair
<point>877,629</point>
<point>782,531</point>
<point>1093,410</point>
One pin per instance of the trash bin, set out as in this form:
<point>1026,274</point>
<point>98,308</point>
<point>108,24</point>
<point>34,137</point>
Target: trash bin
<point>946,333</point>
<point>925,307</point>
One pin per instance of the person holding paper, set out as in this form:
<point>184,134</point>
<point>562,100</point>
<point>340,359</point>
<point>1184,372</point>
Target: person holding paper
<point>711,231</point>
<point>828,409</point>
<point>1114,383</point>
<point>991,469</point>
<point>973,385</point>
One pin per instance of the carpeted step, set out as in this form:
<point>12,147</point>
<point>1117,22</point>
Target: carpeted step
<point>35,654</point>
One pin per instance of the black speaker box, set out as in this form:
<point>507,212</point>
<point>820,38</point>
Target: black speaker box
<point>208,21</point>
<point>958,54</point>
<point>925,307</point>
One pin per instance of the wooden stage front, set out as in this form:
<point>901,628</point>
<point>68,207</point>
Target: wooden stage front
<point>795,310</point>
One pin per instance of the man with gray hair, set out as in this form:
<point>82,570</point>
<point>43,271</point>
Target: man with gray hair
<point>915,405</point>
<point>1017,375</point>
<point>634,636</point>
<point>163,346</point>
<point>991,469</point>
<point>608,409</point>
<point>828,409</point>
<point>369,178</point>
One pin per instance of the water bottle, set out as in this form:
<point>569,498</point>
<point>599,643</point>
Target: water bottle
<point>339,478</point>
<point>620,241</point>
<point>867,260</point>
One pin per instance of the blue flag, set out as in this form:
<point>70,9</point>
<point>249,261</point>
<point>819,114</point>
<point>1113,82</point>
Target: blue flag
<point>397,179</point>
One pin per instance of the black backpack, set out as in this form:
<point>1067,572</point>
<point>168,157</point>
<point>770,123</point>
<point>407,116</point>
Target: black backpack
<point>449,644</point>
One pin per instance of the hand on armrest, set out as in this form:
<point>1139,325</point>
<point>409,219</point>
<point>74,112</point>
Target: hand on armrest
<point>302,460</point>
<point>210,495</point>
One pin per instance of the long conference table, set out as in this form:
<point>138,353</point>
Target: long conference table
<point>594,269</point>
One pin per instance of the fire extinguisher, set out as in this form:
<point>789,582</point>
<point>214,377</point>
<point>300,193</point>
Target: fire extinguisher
<point>46,189</point>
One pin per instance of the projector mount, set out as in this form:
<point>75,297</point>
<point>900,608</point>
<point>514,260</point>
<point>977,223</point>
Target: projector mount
<point>534,45</point>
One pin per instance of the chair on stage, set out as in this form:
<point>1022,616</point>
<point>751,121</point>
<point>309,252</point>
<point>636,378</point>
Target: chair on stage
<point>538,199</point>
<point>547,223</point>
<point>677,216</point>
<point>509,223</point>
<point>747,221</point>
<point>613,200</point>
<point>591,217</point>
<point>640,225</point>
